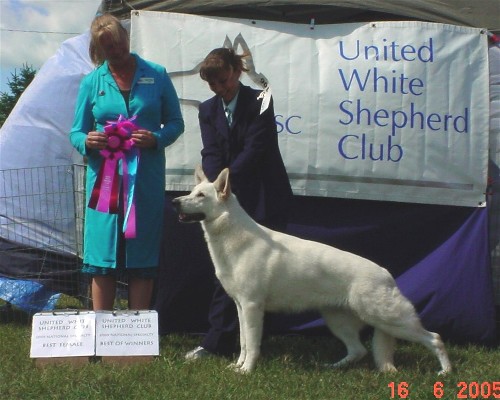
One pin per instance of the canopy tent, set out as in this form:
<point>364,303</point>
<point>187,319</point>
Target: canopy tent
<point>178,285</point>
<point>479,14</point>
<point>426,236</point>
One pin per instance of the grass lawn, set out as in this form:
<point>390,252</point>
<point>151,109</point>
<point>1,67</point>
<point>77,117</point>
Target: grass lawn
<point>291,367</point>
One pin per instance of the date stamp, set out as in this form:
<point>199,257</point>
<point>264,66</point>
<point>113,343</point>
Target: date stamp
<point>462,390</point>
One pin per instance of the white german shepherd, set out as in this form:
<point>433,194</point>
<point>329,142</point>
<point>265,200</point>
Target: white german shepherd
<point>264,270</point>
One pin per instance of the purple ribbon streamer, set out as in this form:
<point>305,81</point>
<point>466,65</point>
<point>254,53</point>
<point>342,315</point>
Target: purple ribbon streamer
<point>105,194</point>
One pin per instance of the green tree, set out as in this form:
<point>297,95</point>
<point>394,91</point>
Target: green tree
<point>17,84</point>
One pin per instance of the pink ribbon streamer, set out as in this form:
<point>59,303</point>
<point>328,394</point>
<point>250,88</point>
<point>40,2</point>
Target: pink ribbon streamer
<point>106,192</point>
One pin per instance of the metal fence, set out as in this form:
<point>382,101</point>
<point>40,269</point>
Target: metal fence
<point>41,227</point>
<point>41,236</point>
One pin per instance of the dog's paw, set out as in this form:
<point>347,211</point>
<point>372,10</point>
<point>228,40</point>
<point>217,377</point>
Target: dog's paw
<point>245,370</point>
<point>444,371</point>
<point>238,368</point>
<point>240,362</point>
<point>388,368</point>
<point>335,365</point>
<point>344,363</point>
<point>233,367</point>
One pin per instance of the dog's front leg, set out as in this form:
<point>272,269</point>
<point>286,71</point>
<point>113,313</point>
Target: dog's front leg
<point>243,347</point>
<point>252,321</point>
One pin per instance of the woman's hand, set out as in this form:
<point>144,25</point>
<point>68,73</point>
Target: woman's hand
<point>96,140</point>
<point>144,139</point>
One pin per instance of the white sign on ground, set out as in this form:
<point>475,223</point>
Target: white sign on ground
<point>127,333</point>
<point>63,334</point>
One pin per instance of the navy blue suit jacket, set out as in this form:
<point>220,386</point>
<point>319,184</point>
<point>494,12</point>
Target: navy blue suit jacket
<point>249,148</point>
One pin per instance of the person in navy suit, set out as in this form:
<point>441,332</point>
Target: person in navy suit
<point>239,133</point>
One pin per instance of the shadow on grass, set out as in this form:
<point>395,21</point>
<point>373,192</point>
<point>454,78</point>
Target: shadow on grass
<point>13,315</point>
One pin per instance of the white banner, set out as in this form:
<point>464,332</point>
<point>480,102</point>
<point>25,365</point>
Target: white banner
<point>385,110</point>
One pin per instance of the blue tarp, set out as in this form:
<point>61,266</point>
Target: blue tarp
<point>30,296</point>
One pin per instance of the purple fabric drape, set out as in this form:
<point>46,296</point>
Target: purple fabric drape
<point>452,287</point>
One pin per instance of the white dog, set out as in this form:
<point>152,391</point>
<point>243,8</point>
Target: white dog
<point>264,270</point>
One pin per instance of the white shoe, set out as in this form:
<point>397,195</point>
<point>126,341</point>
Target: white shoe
<point>197,353</point>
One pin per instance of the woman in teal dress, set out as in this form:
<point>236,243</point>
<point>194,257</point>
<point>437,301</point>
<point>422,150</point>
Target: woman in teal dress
<point>124,84</point>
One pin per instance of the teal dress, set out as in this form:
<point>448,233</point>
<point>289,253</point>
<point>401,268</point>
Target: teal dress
<point>154,101</point>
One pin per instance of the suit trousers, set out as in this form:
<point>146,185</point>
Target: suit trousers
<point>222,337</point>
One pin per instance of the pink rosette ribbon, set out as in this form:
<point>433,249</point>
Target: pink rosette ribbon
<point>120,151</point>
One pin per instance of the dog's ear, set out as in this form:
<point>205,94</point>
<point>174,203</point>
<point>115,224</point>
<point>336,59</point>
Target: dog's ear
<point>222,184</point>
<point>199,175</point>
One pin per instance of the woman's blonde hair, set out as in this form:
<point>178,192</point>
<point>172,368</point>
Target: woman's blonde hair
<point>221,59</point>
<point>105,23</point>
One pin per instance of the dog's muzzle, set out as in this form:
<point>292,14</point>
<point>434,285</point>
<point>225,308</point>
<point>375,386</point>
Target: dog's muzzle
<point>185,217</point>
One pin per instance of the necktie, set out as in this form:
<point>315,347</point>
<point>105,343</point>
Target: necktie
<point>229,116</point>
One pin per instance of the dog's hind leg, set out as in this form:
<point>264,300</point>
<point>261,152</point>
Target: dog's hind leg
<point>435,344</point>
<point>383,351</point>
<point>346,327</point>
<point>412,330</point>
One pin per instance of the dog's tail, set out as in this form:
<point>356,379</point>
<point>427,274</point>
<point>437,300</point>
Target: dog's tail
<point>383,350</point>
